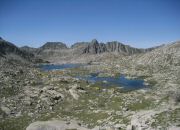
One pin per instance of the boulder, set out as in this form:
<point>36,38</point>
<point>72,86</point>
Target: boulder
<point>6,110</point>
<point>74,94</point>
<point>55,95</point>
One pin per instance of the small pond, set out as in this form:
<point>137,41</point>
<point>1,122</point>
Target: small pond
<point>118,81</point>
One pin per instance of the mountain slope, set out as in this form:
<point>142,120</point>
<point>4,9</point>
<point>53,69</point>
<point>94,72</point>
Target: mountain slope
<point>51,49</point>
<point>9,50</point>
<point>24,55</point>
<point>164,56</point>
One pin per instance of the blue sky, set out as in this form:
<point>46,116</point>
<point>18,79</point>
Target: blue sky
<point>139,23</point>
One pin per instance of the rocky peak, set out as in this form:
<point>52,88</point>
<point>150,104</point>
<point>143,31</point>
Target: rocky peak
<point>1,38</point>
<point>54,45</point>
<point>80,45</point>
<point>94,41</point>
<point>94,47</point>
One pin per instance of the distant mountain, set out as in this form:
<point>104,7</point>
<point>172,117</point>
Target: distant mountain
<point>80,45</point>
<point>121,48</point>
<point>9,51</point>
<point>96,48</point>
<point>93,47</point>
<point>7,48</point>
<point>29,49</point>
<point>51,49</point>
<point>58,51</point>
<point>54,45</point>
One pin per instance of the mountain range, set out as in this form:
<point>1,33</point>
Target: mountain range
<point>58,52</point>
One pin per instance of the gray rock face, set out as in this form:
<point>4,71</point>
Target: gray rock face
<point>121,48</point>
<point>96,48</point>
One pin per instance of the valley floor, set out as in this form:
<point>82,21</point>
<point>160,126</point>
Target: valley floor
<point>33,99</point>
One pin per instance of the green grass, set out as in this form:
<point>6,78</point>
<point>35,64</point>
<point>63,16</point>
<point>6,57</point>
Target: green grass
<point>145,104</point>
<point>91,118</point>
<point>12,123</point>
<point>114,103</point>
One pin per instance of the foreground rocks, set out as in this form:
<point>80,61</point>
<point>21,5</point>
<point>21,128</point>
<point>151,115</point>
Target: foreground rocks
<point>67,125</point>
<point>55,125</point>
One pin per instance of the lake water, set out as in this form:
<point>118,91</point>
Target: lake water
<point>50,67</point>
<point>121,81</point>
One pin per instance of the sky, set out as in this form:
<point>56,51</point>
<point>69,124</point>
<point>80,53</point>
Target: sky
<point>139,23</point>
